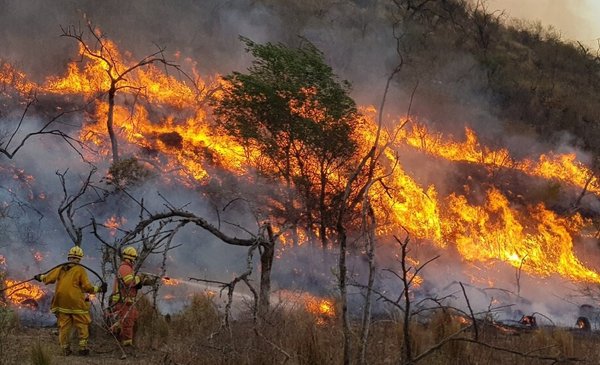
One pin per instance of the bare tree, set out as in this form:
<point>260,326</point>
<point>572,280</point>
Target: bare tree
<point>94,45</point>
<point>156,230</point>
<point>72,203</point>
<point>12,142</point>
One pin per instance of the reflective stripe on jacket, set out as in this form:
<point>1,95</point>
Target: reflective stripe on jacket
<point>72,283</point>
<point>124,287</point>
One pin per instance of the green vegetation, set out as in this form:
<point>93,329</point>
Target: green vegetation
<point>291,107</point>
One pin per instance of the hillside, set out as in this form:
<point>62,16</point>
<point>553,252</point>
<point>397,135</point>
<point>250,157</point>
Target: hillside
<point>306,182</point>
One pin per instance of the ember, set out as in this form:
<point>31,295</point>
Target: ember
<point>113,223</point>
<point>38,256</point>
<point>583,324</point>
<point>528,321</point>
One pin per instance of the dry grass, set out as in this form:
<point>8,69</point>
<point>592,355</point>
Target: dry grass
<point>293,336</point>
<point>9,323</point>
<point>152,327</point>
<point>40,354</point>
<point>297,337</point>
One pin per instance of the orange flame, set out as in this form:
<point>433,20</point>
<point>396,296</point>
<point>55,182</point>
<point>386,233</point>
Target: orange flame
<point>160,113</point>
<point>322,308</point>
<point>563,167</point>
<point>9,76</point>
<point>113,223</point>
<point>170,281</point>
<point>538,239</point>
<point>169,297</point>
<point>22,292</point>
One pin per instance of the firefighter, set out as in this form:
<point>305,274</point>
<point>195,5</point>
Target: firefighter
<point>123,298</point>
<point>69,302</point>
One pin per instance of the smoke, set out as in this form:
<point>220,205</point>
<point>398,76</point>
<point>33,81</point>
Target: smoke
<point>573,19</point>
<point>357,41</point>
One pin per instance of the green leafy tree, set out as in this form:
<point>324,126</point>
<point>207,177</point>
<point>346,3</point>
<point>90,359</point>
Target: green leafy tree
<point>292,108</point>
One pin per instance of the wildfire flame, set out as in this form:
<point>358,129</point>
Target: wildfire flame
<point>113,223</point>
<point>560,167</point>
<point>169,297</point>
<point>322,308</point>
<point>170,281</point>
<point>22,292</point>
<point>173,119</point>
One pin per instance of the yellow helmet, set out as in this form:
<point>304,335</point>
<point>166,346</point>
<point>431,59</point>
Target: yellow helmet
<point>130,253</point>
<point>75,252</point>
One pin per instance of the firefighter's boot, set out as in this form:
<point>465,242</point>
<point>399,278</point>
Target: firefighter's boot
<point>84,352</point>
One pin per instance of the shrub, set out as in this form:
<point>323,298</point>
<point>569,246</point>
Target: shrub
<point>152,327</point>
<point>199,317</point>
<point>127,172</point>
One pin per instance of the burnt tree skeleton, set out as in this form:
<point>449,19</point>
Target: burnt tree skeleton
<point>10,153</point>
<point>368,216</point>
<point>155,230</point>
<point>230,286</point>
<point>263,242</point>
<point>68,208</point>
<point>410,308</point>
<point>117,76</point>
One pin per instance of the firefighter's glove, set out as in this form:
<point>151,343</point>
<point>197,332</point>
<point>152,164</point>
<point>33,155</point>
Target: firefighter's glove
<point>139,285</point>
<point>103,288</point>
<point>38,277</point>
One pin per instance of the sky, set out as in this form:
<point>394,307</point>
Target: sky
<point>576,19</point>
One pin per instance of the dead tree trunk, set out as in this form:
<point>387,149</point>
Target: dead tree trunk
<point>343,289</point>
<point>407,349</point>
<point>369,224</point>
<point>266,263</point>
<point>323,210</point>
<point>109,123</point>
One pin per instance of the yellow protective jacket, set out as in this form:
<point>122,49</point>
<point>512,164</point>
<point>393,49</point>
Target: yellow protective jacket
<point>72,283</point>
<point>126,283</point>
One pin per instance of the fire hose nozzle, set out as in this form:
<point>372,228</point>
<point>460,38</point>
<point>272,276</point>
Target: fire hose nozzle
<point>149,278</point>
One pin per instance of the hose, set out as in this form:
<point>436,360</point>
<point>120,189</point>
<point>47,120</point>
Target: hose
<point>59,265</point>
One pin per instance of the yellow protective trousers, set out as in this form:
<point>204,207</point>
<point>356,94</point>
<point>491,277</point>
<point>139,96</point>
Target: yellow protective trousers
<point>81,322</point>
